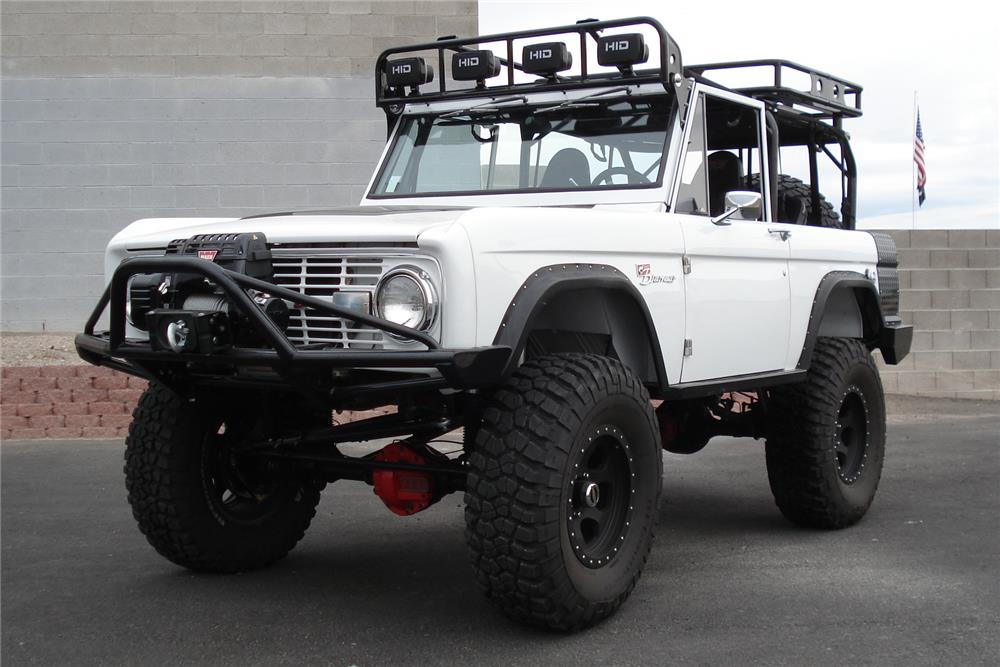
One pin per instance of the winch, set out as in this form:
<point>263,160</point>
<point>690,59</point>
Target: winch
<point>184,312</point>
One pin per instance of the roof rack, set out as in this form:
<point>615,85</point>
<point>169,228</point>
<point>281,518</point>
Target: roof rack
<point>828,97</point>
<point>669,63</point>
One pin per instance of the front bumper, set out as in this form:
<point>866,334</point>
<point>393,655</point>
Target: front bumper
<point>459,369</point>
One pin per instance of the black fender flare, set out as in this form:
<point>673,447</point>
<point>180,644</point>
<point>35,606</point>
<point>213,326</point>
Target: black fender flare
<point>887,334</point>
<point>547,282</point>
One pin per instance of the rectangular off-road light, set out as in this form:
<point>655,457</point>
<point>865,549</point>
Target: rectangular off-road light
<point>546,59</point>
<point>474,65</point>
<point>622,51</point>
<point>408,72</point>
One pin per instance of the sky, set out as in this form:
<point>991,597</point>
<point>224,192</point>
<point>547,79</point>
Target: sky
<point>946,53</point>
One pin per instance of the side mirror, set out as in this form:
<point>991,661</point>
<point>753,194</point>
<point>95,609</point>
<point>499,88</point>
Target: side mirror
<point>747,204</point>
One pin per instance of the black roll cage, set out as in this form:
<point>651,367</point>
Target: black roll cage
<point>795,117</point>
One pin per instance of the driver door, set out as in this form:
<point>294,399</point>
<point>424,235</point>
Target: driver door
<point>736,272</point>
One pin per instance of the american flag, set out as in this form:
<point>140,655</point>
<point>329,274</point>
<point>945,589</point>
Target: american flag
<point>918,158</point>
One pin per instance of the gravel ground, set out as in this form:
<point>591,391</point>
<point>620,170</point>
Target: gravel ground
<point>34,349</point>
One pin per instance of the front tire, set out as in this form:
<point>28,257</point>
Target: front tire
<point>563,490</point>
<point>195,506</point>
<point>826,441</point>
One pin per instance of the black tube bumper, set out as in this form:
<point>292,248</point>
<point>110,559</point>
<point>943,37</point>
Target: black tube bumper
<point>460,369</point>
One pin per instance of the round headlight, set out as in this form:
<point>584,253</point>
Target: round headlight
<point>405,296</point>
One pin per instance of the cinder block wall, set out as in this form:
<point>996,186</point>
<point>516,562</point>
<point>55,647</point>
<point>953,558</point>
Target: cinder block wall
<point>950,293</point>
<point>114,111</point>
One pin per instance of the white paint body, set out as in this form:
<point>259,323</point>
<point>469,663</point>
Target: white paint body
<point>744,305</point>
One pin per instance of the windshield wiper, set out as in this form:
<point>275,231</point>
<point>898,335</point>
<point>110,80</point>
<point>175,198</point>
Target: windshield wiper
<point>582,101</point>
<point>485,106</point>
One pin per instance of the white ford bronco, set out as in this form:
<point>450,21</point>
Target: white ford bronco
<point>581,267</point>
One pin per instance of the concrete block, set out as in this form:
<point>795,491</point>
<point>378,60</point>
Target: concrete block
<point>914,258</point>
<point>285,196</point>
<point>21,153</point>
<point>177,45</point>
<point>330,195</point>
<point>985,298</point>
<point>241,195</point>
<point>153,196</point>
<point>968,319</point>
<point>970,360</point>
<point>967,238</point>
<point>71,154</point>
<point>462,25</point>
<point>107,197</point>
<point>196,24</point>
<point>928,279</point>
<point>371,25</point>
<point>307,45</point>
<point>993,238</point>
<point>955,381</point>
<point>967,278</point>
<point>929,238</point>
<point>916,381</point>
<point>985,340</point>
<point>200,197</point>
<point>331,24</point>
<point>949,259</point>
<point>305,174</point>
<point>415,25</point>
<point>153,24</point>
<point>393,7</point>
<point>222,44</point>
<point>993,278</point>
<point>932,361</point>
<point>953,340</point>
<point>900,236</point>
<point>262,7</point>
<point>994,319</point>
<point>263,45</point>
<point>240,24</point>
<point>930,320</point>
<point>890,381</point>
<point>285,66</point>
<point>995,359</point>
<point>283,24</point>
<point>950,299</point>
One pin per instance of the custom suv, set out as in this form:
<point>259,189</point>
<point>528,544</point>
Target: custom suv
<point>579,266</point>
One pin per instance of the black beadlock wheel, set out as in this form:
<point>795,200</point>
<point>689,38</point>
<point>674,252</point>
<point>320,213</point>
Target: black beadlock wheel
<point>197,503</point>
<point>563,490</point>
<point>826,441</point>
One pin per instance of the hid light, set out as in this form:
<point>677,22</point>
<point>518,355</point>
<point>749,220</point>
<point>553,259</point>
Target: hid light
<point>546,59</point>
<point>622,51</point>
<point>474,66</point>
<point>408,72</point>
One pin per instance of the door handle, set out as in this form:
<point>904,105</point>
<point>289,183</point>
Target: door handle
<point>783,233</point>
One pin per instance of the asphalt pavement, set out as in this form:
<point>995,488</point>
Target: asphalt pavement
<point>729,582</point>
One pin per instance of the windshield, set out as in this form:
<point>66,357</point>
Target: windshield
<point>585,145</point>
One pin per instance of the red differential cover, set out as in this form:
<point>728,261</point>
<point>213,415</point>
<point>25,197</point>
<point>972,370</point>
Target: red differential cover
<point>404,492</point>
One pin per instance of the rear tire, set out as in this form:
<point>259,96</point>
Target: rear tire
<point>563,490</point>
<point>826,441</point>
<point>195,506</point>
<point>794,203</point>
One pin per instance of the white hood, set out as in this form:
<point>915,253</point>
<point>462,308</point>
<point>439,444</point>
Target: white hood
<point>359,224</point>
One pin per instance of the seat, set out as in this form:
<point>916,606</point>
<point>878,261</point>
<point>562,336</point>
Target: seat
<point>725,174</point>
<point>568,168</point>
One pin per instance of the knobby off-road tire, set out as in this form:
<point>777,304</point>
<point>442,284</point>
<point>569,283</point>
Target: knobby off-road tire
<point>563,489</point>
<point>826,440</point>
<point>195,508</point>
<point>794,203</point>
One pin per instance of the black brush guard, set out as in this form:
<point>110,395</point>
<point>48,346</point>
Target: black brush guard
<point>459,369</point>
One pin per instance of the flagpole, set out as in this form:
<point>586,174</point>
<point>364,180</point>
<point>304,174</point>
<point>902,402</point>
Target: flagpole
<point>913,167</point>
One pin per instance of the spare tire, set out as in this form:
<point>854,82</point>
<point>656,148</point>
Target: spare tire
<point>795,204</point>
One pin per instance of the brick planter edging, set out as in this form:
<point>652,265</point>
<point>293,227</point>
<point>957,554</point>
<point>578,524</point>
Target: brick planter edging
<point>76,402</point>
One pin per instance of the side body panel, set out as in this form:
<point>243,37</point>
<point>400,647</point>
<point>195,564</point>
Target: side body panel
<point>508,245</point>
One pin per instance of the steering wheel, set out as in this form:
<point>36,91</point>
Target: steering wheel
<point>635,177</point>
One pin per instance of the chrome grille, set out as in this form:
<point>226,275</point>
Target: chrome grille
<point>323,276</point>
